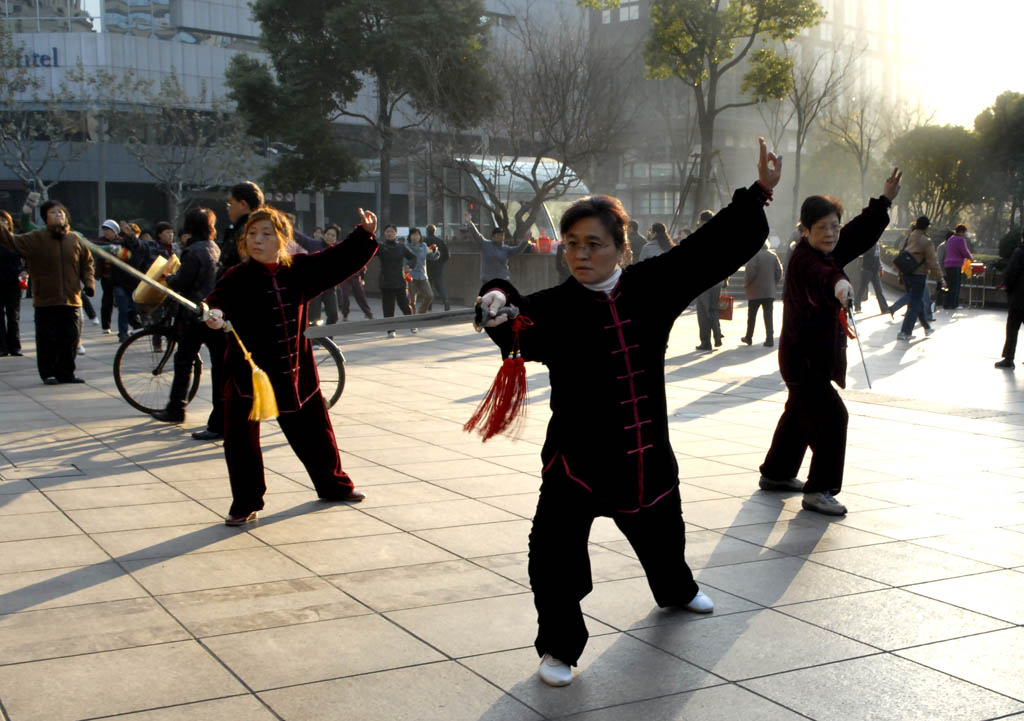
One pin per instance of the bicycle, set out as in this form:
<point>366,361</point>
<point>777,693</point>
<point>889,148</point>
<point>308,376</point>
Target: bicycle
<point>144,367</point>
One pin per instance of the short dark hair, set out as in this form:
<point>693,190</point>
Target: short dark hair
<point>389,226</point>
<point>497,229</point>
<point>51,203</point>
<point>415,230</point>
<point>961,229</point>
<point>706,215</point>
<point>922,222</point>
<point>633,226</point>
<point>249,193</point>
<point>161,227</point>
<point>200,224</point>
<point>431,229</point>
<point>608,210</point>
<point>817,207</point>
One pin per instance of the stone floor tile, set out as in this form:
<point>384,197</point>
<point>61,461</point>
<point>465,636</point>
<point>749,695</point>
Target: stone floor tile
<point>173,541</point>
<point>399,458</point>
<point>51,633</point>
<point>217,487</point>
<point>12,504</point>
<point>42,553</point>
<point>899,563</point>
<point>37,525</point>
<point>892,619</point>
<point>113,682</point>
<point>614,669</point>
<point>485,625</point>
<point>432,691</point>
<point>804,535</point>
<point>234,708</point>
<point>440,514</point>
<point>218,569</point>
<point>340,522</point>
<point>752,643</point>
<point>154,515</point>
<point>61,587</point>
<point>523,505</point>
<point>881,688</point>
<point>469,542</point>
<point>718,703</point>
<point>731,512</point>
<point>504,484</point>
<point>319,651</point>
<point>108,477</point>
<point>999,594</point>
<point>116,496</point>
<point>255,606</point>
<point>997,546</point>
<point>628,604</point>
<point>904,524</point>
<point>406,493</point>
<point>992,660</point>
<point>432,470</point>
<point>708,548</point>
<point>347,555</point>
<point>605,565</point>
<point>691,469</point>
<point>429,584</point>
<point>784,580</point>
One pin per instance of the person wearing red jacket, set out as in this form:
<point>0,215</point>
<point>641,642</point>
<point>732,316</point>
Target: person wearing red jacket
<point>812,347</point>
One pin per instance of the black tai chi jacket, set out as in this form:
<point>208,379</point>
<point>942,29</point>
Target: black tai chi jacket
<point>605,353</point>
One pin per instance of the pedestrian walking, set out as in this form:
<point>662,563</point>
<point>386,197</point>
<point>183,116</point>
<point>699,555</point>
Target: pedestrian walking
<point>1013,279</point>
<point>812,348</point>
<point>870,275</point>
<point>265,298</point>
<point>393,257</point>
<point>708,322</point>
<point>921,248</point>
<point>636,241</point>
<point>658,242</point>
<point>602,334</point>
<point>494,254</point>
<point>760,277</point>
<point>12,271</point>
<point>62,268</point>
<point>194,279</point>
<point>420,285</point>
<point>435,268</point>
<point>105,270</point>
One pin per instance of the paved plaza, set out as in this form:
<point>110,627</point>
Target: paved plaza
<point>122,594</point>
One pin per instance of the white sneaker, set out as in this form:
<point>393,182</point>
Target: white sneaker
<point>95,321</point>
<point>553,672</point>
<point>391,334</point>
<point>81,350</point>
<point>414,331</point>
<point>701,603</point>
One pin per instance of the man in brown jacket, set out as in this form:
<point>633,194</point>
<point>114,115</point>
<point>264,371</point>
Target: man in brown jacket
<point>60,266</point>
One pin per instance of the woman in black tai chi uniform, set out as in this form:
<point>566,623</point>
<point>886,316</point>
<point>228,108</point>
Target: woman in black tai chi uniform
<point>603,335</point>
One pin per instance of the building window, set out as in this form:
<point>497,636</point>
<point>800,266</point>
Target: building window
<point>606,16</point>
<point>629,11</point>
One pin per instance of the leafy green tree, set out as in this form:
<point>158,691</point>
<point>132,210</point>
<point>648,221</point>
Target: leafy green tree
<point>701,42</point>
<point>323,52</point>
<point>1000,130</point>
<point>940,171</point>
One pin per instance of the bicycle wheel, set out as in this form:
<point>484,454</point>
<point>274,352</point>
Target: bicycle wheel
<point>143,370</point>
<point>330,366</point>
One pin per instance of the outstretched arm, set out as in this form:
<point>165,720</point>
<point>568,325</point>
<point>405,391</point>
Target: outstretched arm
<point>474,232</point>
<point>864,231</point>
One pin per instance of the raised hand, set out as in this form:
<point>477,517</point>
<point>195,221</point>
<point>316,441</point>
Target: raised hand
<point>892,184</point>
<point>369,221</point>
<point>769,167</point>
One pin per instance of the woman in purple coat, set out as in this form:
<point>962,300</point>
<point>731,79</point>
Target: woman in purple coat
<point>956,253</point>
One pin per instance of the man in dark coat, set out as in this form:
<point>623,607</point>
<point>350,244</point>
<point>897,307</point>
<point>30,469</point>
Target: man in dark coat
<point>60,266</point>
<point>195,280</point>
<point>435,268</point>
<point>1013,279</point>
<point>11,268</point>
<point>870,269</point>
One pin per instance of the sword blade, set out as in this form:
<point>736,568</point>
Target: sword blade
<point>182,300</point>
<point>425,320</point>
<point>856,333</point>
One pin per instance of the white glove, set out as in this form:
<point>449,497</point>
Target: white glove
<point>215,319</point>
<point>491,301</point>
<point>843,291</point>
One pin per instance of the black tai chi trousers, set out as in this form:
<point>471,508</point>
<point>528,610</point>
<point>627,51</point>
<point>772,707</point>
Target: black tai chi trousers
<point>559,564</point>
<point>58,328</point>
<point>310,435</point>
<point>816,418</point>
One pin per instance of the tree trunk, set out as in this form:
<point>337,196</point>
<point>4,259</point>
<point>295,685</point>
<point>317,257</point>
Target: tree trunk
<point>796,182</point>
<point>707,149</point>
<point>386,143</point>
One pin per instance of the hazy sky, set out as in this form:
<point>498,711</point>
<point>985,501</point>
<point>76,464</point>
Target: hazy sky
<point>966,53</point>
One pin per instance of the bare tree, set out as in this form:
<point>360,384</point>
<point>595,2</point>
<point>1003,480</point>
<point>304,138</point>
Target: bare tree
<point>819,78</point>
<point>561,105</point>
<point>38,137</point>
<point>187,143</point>
<point>858,124</point>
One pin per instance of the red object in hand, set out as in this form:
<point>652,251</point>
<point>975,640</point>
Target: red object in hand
<point>408,277</point>
<point>23,282</point>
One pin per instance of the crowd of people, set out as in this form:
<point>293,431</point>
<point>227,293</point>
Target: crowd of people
<point>263,283</point>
